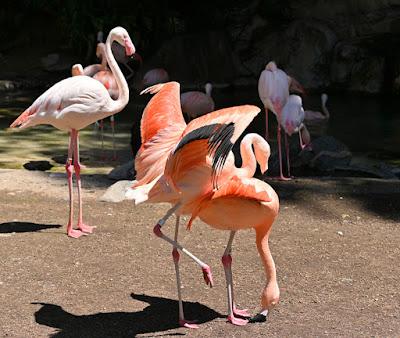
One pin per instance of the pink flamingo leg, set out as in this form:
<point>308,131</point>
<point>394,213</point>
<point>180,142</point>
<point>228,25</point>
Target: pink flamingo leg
<point>101,125</point>
<point>207,275</point>
<point>77,166</point>
<point>287,154</point>
<point>175,256</point>
<point>266,125</point>
<point>302,146</point>
<point>227,263</point>
<point>281,177</point>
<point>112,122</point>
<point>69,169</point>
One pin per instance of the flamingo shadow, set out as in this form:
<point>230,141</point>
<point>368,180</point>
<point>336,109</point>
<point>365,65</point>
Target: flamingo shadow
<point>9,227</point>
<point>160,315</point>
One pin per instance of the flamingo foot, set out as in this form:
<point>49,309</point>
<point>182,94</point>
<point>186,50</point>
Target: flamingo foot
<point>85,228</point>
<point>207,275</point>
<point>74,233</point>
<point>237,321</point>
<point>190,324</point>
<point>241,313</point>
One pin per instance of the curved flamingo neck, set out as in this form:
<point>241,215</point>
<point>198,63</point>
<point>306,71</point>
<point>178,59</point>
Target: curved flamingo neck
<point>123,89</point>
<point>102,53</point>
<point>249,163</point>
<point>262,237</point>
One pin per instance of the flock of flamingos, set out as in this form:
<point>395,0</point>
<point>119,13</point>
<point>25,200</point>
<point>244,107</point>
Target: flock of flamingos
<point>191,166</point>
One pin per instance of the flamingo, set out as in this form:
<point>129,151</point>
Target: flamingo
<point>195,103</point>
<point>164,130</point>
<point>315,120</point>
<point>240,202</point>
<point>273,89</point>
<point>73,104</point>
<point>292,118</point>
<point>155,76</point>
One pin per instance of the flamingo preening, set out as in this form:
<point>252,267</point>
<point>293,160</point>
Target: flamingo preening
<point>195,103</point>
<point>200,177</point>
<point>73,104</point>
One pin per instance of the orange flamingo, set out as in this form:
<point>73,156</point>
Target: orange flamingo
<point>161,133</point>
<point>192,173</point>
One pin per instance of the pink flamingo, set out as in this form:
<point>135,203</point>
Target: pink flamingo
<point>73,104</point>
<point>292,118</point>
<point>273,89</point>
<point>155,76</point>
<point>317,121</point>
<point>195,103</point>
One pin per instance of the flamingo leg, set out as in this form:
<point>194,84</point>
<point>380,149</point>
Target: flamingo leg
<point>102,138</point>
<point>266,125</point>
<point>112,122</point>
<point>227,263</point>
<point>70,169</point>
<point>77,166</point>
<point>302,146</point>
<point>175,256</point>
<point>207,275</point>
<point>287,154</point>
<point>281,177</point>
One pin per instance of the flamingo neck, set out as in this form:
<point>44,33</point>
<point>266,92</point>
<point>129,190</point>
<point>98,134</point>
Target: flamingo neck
<point>325,110</point>
<point>262,237</point>
<point>123,89</point>
<point>249,163</point>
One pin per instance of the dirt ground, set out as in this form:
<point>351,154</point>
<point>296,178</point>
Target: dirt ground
<point>336,247</point>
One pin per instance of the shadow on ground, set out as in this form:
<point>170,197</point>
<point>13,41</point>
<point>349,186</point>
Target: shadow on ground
<point>9,227</point>
<point>160,315</point>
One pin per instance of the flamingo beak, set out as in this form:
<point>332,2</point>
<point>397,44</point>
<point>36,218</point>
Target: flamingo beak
<point>129,47</point>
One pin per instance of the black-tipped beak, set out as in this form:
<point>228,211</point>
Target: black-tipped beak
<point>258,318</point>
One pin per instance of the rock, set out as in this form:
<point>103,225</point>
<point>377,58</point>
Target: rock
<point>370,167</point>
<point>38,165</point>
<point>116,192</point>
<point>123,172</point>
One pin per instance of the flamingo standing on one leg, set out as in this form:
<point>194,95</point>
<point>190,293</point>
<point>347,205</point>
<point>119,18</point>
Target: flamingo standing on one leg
<point>292,118</point>
<point>241,202</point>
<point>73,104</point>
<point>195,103</point>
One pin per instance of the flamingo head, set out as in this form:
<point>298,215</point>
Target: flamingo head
<point>324,98</point>
<point>270,296</point>
<point>262,151</point>
<point>271,66</point>
<point>120,35</point>
<point>100,50</point>
<point>77,69</point>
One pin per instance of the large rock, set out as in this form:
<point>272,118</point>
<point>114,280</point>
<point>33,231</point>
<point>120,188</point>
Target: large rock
<point>116,192</point>
<point>123,172</point>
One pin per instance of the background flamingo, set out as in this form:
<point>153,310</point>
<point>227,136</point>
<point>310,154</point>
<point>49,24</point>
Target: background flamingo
<point>154,76</point>
<point>195,103</point>
<point>292,118</point>
<point>317,121</point>
<point>73,104</point>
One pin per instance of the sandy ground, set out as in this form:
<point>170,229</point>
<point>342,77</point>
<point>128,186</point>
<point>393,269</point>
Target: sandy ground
<point>336,246</point>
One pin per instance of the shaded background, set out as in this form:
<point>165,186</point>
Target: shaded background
<point>349,49</point>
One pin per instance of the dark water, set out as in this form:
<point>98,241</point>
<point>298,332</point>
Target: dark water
<point>366,124</point>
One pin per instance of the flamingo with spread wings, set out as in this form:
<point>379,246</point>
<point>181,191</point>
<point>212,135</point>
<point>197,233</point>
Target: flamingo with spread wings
<point>73,104</point>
